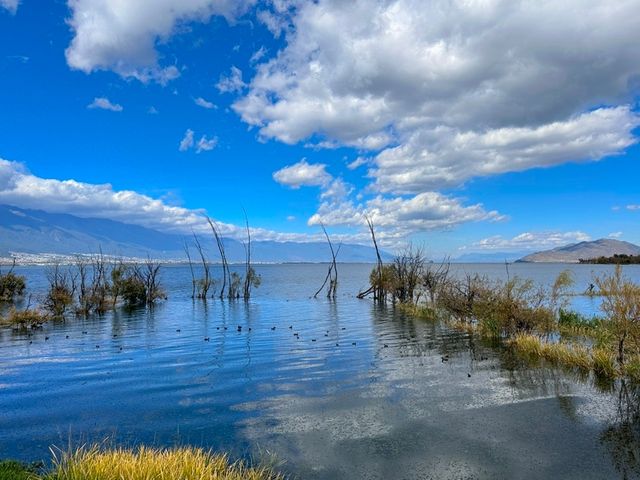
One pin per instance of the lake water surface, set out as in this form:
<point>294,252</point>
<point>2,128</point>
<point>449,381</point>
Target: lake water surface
<point>361,392</point>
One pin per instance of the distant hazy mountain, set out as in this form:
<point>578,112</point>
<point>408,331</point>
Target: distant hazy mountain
<point>585,250</point>
<point>36,232</point>
<point>494,257</point>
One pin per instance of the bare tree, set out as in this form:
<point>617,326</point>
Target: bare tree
<point>226,273</point>
<point>332,274</point>
<point>193,275</point>
<point>151,281</point>
<point>251,278</point>
<point>205,283</point>
<point>377,282</point>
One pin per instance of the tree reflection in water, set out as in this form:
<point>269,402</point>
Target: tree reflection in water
<point>622,436</point>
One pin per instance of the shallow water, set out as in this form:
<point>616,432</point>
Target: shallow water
<point>360,392</point>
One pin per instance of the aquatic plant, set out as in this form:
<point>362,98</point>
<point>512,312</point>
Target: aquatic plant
<point>11,285</point>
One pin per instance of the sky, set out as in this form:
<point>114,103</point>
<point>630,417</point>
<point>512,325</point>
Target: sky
<point>458,125</point>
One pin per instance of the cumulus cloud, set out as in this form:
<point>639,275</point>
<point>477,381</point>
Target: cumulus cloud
<point>103,103</point>
<point>122,35</point>
<point>232,82</point>
<point>633,207</point>
<point>530,241</point>
<point>447,157</point>
<point>11,5</point>
<point>201,102</point>
<point>396,218</point>
<point>302,174</point>
<point>615,235</point>
<point>448,90</point>
<point>21,188</point>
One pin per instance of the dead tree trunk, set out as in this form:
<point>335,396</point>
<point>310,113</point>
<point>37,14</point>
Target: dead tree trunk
<point>248,274</point>
<point>193,276</point>
<point>332,274</point>
<point>377,287</point>
<point>226,274</point>
<point>206,281</point>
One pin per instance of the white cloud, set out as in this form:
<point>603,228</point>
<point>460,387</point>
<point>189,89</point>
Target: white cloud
<point>450,90</point>
<point>122,35</point>
<point>206,144</point>
<point>397,218</point>
<point>152,110</point>
<point>446,157</point>
<point>11,5</point>
<point>633,207</point>
<point>21,188</point>
<point>615,235</point>
<point>201,102</point>
<point>104,104</point>
<point>232,82</point>
<point>530,241</point>
<point>358,162</point>
<point>302,174</point>
<point>291,218</point>
<point>187,141</point>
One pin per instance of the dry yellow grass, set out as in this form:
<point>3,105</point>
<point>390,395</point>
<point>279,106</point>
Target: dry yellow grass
<point>600,360</point>
<point>151,464</point>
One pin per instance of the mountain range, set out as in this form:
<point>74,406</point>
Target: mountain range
<point>40,234</point>
<point>603,247</point>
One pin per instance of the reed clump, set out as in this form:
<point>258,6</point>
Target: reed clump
<point>560,353</point>
<point>185,463</point>
<point>24,318</point>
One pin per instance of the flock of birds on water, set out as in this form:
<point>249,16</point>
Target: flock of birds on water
<point>444,358</point>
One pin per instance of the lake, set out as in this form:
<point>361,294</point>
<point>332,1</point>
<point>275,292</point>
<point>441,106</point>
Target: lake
<point>361,392</point>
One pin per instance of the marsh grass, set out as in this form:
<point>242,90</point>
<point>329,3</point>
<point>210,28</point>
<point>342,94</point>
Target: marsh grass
<point>143,463</point>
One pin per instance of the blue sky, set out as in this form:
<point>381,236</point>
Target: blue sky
<point>474,126</point>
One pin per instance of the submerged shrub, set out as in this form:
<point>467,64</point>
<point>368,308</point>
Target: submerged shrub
<point>132,290</point>
<point>62,287</point>
<point>11,286</point>
<point>25,318</point>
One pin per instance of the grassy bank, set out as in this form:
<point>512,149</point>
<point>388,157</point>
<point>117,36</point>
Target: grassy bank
<point>94,463</point>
